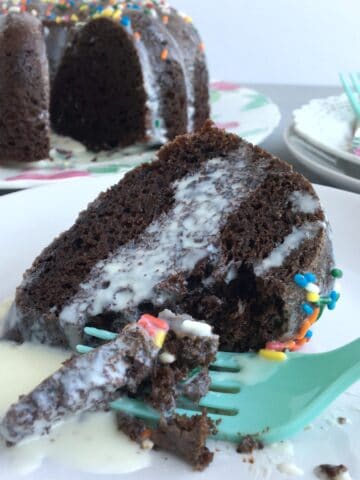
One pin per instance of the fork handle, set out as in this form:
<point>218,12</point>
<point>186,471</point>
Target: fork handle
<point>345,361</point>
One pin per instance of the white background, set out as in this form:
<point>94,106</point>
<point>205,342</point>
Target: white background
<point>278,41</point>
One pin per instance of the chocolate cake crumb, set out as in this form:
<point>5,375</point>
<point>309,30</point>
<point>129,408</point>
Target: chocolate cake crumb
<point>330,471</point>
<point>232,287</point>
<point>24,87</point>
<point>133,427</point>
<point>248,444</point>
<point>186,437</point>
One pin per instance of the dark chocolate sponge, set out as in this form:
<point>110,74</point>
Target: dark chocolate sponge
<point>24,89</point>
<point>85,99</point>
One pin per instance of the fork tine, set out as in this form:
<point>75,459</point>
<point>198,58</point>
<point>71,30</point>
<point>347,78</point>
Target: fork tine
<point>135,407</point>
<point>98,333</point>
<point>83,349</point>
<point>350,94</point>
<point>226,402</point>
<point>226,360</point>
<point>224,380</point>
<point>190,413</point>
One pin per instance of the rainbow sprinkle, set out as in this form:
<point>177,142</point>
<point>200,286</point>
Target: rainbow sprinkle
<point>156,328</point>
<point>164,54</point>
<point>313,308</point>
<point>273,355</point>
<point>73,11</point>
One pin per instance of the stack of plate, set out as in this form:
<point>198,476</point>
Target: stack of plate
<point>320,138</point>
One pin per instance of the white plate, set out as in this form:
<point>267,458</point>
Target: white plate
<point>320,163</point>
<point>29,221</point>
<point>240,110</point>
<point>328,124</point>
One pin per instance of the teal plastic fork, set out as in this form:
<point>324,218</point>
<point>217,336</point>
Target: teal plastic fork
<point>351,88</point>
<point>250,395</point>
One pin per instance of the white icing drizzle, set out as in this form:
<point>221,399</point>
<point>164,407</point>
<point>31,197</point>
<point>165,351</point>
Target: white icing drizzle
<point>304,202</point>
<point>188,67</point>
<point>155,131</point>
<point>231,273</point>
<point>88,443</point>
<point>190,102</point>
<point>290,469</point>
<point>5,306</point>
<point>167,358</point>
<point>174,242</point>
<point>185,325</point>
<point>290,243</point>
<point>198,329</point>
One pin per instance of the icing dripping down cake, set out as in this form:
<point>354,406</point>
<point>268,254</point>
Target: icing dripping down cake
<point>105,73</point>
<point>215,228</point>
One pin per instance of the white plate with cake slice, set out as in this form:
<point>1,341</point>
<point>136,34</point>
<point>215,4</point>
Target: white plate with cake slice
<point>240,110</point>
<point>29,221</point>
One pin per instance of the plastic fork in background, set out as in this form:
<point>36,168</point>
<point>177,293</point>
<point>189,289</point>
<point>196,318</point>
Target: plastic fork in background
<point>250,395</point>
<point>351,86</point>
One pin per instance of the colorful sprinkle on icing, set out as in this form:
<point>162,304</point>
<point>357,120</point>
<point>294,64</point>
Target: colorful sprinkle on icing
<point>272,355</point>
<point>156,328</point>
<point>125,21</point>
<point>164,54</point>
<point>300,280</point>
<point>310,277</point>
<point>312,287</point>
<point>313,308</point>
<point>307,308</point>
<point>312,297</point>
<point>336,273</point>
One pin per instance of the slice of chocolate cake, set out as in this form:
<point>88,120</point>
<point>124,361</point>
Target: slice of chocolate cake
<point>215,228</point>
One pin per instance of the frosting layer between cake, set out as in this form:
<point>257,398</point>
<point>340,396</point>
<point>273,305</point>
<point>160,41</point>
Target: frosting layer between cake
<point>173,243</point>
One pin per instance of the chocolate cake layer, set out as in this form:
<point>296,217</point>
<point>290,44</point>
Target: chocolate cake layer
<point>24,90</point>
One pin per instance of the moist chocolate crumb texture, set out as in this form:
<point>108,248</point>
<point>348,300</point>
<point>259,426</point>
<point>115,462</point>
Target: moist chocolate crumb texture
<point>182,435</point>
<point>215,228</point>
<point>248,444</point>
<point>105,73</point>
<point>332,472</point>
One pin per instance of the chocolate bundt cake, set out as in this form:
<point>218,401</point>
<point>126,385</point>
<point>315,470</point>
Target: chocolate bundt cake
<point>120,73</point>
<point>215,228</point>
<point>24,89</point>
